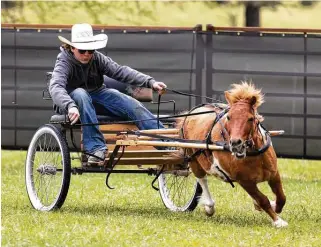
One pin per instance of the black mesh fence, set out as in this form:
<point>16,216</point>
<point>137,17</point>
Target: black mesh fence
<point>285,65</point>
<point>28,54</point>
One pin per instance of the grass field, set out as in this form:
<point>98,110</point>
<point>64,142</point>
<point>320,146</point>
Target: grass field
<point>133,213</point>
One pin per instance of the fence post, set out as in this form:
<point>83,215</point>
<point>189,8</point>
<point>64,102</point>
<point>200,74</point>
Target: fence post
<point>305,88</point>
<point>15,30</point>
<point>199,64</point>
<point>209,60</point>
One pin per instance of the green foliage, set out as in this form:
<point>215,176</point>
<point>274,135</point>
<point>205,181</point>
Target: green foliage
<point>133,214</point>
<point>288,14</point>
<point>44,11</point>
<point>12,12</point>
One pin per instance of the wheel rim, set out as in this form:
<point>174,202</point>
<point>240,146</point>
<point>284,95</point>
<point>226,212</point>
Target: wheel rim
<point>45,169</point>
<point>179,190</point>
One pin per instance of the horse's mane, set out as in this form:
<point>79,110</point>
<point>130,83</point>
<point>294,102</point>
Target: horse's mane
<point>245,91</point>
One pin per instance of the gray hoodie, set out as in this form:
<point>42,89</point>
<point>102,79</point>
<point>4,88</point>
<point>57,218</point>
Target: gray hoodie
<point>70,74</point>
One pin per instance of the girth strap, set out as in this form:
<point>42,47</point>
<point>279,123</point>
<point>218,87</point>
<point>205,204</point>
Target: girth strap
<point>226,177</point>
<point>202,151</point>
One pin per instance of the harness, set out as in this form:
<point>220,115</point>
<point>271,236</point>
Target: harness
<point>208,140</point>
<point>224,143</point>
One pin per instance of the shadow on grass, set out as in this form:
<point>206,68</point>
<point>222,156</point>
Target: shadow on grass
<point>157,213</point>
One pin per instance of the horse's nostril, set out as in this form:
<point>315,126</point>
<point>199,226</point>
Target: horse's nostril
<point>236,142</point>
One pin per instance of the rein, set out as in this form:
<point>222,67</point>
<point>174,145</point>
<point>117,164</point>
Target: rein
<point>207,139</point>
<point>135,121</point>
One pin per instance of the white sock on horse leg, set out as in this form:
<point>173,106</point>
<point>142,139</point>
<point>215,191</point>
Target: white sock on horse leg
<point>206,198</point>
<point>279,223</point>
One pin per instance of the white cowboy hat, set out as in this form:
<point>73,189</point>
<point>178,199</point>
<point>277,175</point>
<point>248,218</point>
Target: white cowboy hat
<point>82,38</point>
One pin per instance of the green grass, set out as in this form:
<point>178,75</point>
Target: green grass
<point>133,214</point>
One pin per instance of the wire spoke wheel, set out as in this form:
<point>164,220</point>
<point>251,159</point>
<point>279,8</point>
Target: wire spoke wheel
<point>47,169</point>
<point>179,190</point>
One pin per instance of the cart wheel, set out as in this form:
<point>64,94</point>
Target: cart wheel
<point>179,190</point>
<point>48,169</point>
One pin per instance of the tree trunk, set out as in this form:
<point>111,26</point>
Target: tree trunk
<point>252,14</point>
<point>7,5</point>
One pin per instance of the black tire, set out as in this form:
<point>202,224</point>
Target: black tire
<point>48,169</point>
<point>179,190</point>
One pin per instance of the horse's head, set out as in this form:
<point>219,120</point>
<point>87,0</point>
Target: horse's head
<point>242,118</point>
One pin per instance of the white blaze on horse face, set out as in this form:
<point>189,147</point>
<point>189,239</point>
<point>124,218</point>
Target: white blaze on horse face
<point>240,126</point>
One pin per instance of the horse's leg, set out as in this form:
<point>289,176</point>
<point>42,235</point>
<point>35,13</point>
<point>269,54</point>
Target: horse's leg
<point>276,186</point>
<point>257,207</point>
<point>206,198</point>
<point>263,202</point>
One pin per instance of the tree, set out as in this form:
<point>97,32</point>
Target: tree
<point>253,10</point>
<point>252,14</point>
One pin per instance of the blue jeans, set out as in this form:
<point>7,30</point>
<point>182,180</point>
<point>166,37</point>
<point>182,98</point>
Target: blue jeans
<point>111,102</point>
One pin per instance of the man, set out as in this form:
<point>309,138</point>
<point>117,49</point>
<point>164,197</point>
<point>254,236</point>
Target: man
<point>77,87</point>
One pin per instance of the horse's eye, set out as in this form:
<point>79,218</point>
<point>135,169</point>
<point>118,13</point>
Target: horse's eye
<point>251,119</point>
<point>228,118</point>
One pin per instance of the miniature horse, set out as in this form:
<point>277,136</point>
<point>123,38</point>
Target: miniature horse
<point>251,158</point>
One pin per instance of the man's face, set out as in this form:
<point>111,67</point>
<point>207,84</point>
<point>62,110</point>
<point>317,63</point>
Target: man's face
<point>83,56</point>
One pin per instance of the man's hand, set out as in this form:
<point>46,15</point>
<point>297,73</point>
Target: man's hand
<point>159,86</point>
<point>73,115</point>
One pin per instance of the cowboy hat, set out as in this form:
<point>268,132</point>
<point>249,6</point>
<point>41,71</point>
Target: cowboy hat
<point>82,38</point>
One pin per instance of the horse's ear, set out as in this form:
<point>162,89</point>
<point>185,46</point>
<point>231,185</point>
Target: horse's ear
<point>228,97</point>
<point>253,100</point>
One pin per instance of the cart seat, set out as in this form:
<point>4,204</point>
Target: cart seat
<point>61,119</point>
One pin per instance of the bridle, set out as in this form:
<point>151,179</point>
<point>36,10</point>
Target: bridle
<point>208,140</point>
<point>249,143</point>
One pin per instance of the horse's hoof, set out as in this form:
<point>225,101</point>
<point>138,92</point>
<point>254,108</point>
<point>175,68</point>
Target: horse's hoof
<point>279,223</point>
<point>209,210</point>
